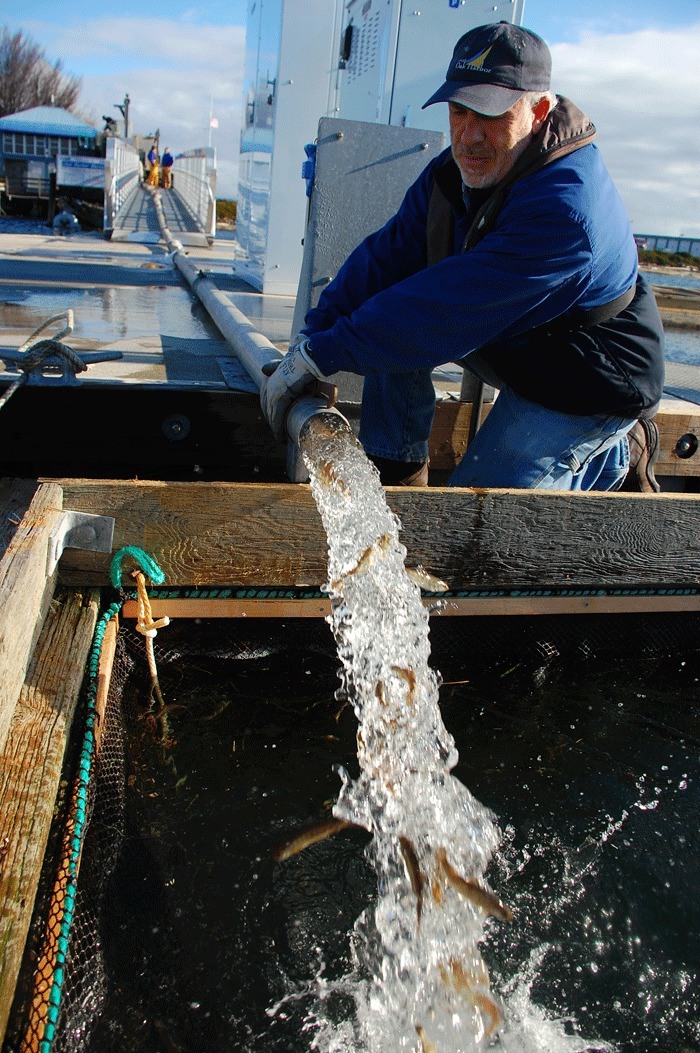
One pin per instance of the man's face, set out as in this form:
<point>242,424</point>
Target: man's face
<point>486,148</point>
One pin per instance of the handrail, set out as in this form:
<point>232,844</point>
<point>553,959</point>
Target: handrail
<point>122,176</point>
<point>194,178</point>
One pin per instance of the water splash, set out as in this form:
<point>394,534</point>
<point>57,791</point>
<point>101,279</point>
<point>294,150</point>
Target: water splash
<point>427,986</point>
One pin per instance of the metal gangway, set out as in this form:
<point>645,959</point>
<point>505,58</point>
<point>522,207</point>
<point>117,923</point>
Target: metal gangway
<point>189,205</point>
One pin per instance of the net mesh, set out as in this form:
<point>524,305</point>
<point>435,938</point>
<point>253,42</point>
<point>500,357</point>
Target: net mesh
<point>70,995</point>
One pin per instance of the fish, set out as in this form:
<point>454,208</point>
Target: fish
<point>409,678</point>
<point>328,475</point>
<point>417,880</point>
<point>473,890</point>
<point>311,834</point>
<point>381,544</point>
<point>425,580</point>
<point>466,983</point>
<point>426,1045</point>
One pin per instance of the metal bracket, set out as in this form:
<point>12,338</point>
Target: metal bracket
<point>79,530</point>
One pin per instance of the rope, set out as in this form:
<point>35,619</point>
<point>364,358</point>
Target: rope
<point>147,564</point>
<point>43,349</point>
<point>149,628</point>
<point>51,970</point>
<point>145,624</point>
<point>52,962</point>
<point>34,354</point>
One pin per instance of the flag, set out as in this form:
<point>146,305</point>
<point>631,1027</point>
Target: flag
<point>213,122</point>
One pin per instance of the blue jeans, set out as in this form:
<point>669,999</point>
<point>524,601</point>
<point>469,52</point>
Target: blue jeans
<point>520,445</point>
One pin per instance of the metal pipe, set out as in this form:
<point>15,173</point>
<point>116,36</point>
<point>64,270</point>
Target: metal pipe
<point>255,352</point>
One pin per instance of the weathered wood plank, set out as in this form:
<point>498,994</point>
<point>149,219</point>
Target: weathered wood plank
<point>259,534</point>
<point>678,419</point>
<point>15,498</point>
<point>25,592</point>
<point>31,766</point>
<point>449,606</point>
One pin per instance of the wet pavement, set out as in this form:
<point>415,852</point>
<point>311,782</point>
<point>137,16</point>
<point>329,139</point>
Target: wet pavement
<point>129,297</point>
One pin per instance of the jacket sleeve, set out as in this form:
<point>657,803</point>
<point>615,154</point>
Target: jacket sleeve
<point>391,254</point>
<point>533,266</point>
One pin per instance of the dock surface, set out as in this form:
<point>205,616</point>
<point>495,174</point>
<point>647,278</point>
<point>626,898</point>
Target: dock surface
<point>130,302</point>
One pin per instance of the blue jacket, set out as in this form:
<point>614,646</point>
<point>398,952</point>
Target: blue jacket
<point>167,160</point>
<point>558,243</point>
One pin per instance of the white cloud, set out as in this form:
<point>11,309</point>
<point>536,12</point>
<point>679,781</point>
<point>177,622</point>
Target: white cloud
<point>171,71</point>
<point>642,91</point>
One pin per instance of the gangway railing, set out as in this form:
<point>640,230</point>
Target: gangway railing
<point>123,173</point>
<point>194,178</point>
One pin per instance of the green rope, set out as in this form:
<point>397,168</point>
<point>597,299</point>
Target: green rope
<point>84,774</point>
<point>85,766</point>
<point>147,563</point>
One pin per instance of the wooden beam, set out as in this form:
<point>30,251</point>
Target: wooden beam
<point>25,593</point>
<point>675,420</point>
<point>250,607</point>
<point>442,606</point>
<point>31,767</point>
<point>259,535</point>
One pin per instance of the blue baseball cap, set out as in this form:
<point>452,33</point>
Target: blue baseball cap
<point>493,66</point>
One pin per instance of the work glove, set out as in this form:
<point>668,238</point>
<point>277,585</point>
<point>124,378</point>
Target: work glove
<point>296,372</point>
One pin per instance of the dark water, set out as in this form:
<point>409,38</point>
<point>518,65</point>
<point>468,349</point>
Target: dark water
<point>590,762</point>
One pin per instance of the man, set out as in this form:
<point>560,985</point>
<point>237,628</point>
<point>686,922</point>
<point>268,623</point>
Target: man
<point>166,162</point>
<point>511,253</point>
<point>152,178</point>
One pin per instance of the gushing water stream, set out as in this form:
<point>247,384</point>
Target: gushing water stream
<point>427,987</point>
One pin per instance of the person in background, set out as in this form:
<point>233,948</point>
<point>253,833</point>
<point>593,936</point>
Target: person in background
<point>166,162</point>
<point>513,255</point>
<point>152,158</point>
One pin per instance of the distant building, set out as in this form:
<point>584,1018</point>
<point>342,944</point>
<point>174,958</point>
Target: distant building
<point>33,144</point>
<point>668,243</point>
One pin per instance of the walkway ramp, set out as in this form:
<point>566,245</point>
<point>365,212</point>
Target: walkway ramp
<point>137,219</point>
<point>190,205</point>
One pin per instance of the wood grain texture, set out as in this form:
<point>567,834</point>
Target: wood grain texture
<point>442,607</point>
<point>271,534</point>
<point>25,592</point>
<point>31,767</point>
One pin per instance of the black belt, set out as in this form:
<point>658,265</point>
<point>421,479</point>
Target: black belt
<point>594,315</point>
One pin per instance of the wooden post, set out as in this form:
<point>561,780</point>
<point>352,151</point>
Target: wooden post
<point>25,593</point>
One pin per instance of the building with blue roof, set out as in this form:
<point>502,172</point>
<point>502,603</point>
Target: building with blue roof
<point>34,142</point>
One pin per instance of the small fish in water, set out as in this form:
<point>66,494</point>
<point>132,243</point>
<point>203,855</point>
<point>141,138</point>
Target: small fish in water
<point>414,875</point>
<point>466,983</point>
<point>425,580</point>
<point>328,475</point>
<point>409,679</point>
<point>472,890</point>
<point>426,1045</point>
<point>366,559</point>
<point>309,835</point>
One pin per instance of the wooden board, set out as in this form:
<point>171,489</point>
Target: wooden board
<point>679,418</point>
<point>627,602</point>
<point>31,767</point>
<point>231,534</point>
<point>25,592</point>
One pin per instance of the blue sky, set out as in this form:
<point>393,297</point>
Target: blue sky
<point>633,67</point>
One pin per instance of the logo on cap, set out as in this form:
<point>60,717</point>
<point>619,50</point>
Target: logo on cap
<point>477,62</point>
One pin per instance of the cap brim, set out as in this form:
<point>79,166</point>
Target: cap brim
<point>490,99</point>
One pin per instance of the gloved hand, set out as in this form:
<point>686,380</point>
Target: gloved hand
<point>296,372</point>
